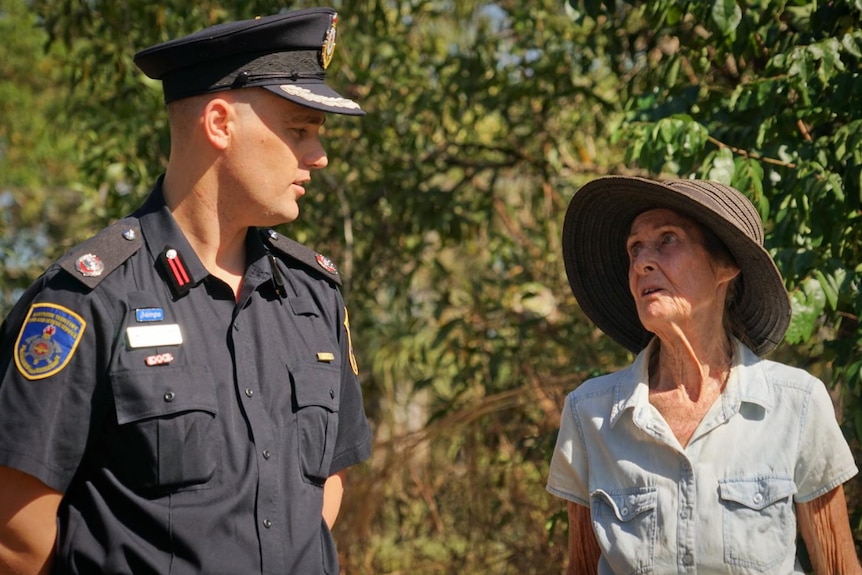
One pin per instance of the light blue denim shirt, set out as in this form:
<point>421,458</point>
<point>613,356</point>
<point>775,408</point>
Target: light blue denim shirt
<point>723,504</point>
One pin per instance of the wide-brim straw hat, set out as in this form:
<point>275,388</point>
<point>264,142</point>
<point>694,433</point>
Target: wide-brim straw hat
<point>597,225</point>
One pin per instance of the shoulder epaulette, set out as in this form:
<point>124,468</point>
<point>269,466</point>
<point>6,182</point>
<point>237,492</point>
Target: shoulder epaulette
<point>302,254</point>
<point>93,260</point>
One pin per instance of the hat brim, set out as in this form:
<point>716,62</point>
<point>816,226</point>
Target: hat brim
<point>316,95</point>
<point>595,229</point>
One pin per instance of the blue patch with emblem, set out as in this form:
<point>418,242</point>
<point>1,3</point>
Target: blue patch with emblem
<point>149,314</point>
<point>48,340</point>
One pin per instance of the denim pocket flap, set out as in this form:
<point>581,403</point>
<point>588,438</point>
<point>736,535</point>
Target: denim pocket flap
<point>162,391</point>
<point>627,505</point>
<point>757,493</point>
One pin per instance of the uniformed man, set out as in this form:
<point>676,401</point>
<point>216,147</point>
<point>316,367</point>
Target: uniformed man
<point>179,394</point>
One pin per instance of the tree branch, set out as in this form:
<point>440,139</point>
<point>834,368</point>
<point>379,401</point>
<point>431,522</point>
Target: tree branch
<point>754,155</point>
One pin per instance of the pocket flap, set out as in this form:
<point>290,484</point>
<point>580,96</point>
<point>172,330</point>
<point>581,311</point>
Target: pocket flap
<point>160,391</point>
<point>757,493</point>
<point>627,505</point>
<point>316,384</point>
<point>303,306</point>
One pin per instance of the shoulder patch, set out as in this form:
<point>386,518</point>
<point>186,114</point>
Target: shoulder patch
<point>302,254</point>
<point>47,340</point>
<point>93,260</point>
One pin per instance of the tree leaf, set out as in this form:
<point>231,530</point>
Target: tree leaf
<point>807,302</point>
<point>727,15</point>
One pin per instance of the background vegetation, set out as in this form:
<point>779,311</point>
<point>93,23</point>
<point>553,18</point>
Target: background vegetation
<point>443,207</point>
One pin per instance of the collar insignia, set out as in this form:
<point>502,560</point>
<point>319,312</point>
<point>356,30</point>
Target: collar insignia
<point>175,271</point>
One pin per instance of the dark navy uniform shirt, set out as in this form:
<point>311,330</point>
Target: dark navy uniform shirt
<point>189,433</point>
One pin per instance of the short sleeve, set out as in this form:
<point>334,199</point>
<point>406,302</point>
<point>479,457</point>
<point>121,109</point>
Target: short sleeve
<point>48,380</point>
<point>825,460</point>
<point>568,476</point>
<point>353,443</point>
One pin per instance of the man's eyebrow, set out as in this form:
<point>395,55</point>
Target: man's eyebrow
<point>314,119</point>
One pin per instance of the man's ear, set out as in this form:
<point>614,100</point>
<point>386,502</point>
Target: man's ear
<point>218,120</point>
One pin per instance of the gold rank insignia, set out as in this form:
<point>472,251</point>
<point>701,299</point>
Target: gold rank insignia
<point>352,357</point>
<point>328,48</point>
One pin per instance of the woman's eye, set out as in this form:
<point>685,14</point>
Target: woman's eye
<point>667,238</point>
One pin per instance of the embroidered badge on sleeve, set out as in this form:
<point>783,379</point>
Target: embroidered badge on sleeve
<point>48,340</point>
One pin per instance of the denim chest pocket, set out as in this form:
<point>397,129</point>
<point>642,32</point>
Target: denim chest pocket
<point>316,394</point>
<point>625,525</point>
<point>166,428</point>
<point>759,524</point>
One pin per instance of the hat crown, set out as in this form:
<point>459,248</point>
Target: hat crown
<point>727,202</point>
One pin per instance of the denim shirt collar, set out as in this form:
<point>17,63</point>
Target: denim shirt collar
<point>747,383</point>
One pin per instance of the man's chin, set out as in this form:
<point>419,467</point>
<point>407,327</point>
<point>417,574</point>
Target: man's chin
<point>276,219</point>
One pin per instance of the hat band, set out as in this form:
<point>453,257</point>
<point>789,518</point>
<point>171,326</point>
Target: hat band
<point>244,71</point>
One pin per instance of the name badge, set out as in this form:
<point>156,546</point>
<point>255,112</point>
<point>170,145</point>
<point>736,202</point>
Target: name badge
<point>149,314</point>
<point>153,335</point>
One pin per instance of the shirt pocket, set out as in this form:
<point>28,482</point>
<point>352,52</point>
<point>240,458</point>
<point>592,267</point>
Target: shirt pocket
<point>316,394</point>
<point>166,428</point>
<point>625,525</point>
<point>759,525</point>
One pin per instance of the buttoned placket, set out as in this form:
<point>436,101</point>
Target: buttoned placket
<point>271,533</point>
<point>648,419</point>
<point>686,535</point>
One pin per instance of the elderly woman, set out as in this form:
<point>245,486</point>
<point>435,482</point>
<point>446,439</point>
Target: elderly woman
<point>700,457</point>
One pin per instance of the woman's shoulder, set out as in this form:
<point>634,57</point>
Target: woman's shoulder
<point>605,384</point>
<point>786,375</point>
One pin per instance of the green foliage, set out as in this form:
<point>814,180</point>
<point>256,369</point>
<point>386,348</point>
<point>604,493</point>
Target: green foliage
<point>36,161</point>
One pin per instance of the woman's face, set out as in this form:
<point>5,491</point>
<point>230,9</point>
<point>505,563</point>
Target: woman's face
<point>675,282</point>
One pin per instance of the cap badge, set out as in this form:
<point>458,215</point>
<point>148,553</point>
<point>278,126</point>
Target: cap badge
<point>328,48</point>
<point>326,263</point>
<point>90,265</point>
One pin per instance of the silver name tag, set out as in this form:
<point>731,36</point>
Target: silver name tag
<point>153,335</point>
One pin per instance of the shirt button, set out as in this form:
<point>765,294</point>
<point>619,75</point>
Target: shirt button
<point>267,523</point>
<point>249,392</point>
<point>624,511</point>
<point>688,559</point>
<point>169,396</point>
<point>266,454</point>
<point>758,498</point>
<point>332,394</point>
<point>684,514</point>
